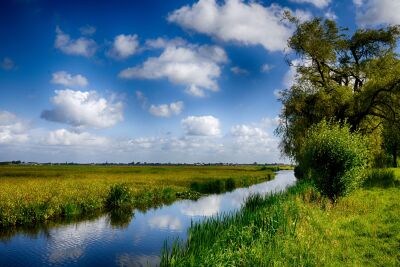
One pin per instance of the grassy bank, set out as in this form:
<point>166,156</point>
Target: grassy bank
<point>301,228</point>
<point>30,194</point>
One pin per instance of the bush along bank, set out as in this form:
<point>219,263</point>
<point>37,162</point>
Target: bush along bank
<point>334,158</point>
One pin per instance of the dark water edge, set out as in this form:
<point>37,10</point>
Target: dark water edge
<point>122,237</point>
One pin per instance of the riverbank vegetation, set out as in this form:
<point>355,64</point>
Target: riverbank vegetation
<point>31,194</point>
<point>301,228</point>
<point>334,158</point>
<point>340,123</point>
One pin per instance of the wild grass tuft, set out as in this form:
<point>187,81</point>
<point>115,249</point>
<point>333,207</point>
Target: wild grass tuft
<point>120,195</point>
<point>210,242</point>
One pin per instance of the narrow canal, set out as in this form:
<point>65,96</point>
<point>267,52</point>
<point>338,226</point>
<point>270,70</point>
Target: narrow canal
<point>123,239</point>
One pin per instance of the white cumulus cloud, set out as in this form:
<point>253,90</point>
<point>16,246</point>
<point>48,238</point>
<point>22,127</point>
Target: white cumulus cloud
<point>124,46</point>
<point>164,42</point>
<point>189,65</point>
<point>195,91</point>
<point>317,3</point>
<point>12,129</point>
<point>253,140</point>
<point>167,110</point>
<point>67,79</point>
<point>268,122</point>
<point>247,131</point>
<point>79,47</point>
<point>69,138</point>
<point>235,20</point>
<point>201,125</point>
<point>83,109</point>
<point>376,12</point>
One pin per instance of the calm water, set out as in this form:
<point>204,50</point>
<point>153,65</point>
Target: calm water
<point>124,239</point>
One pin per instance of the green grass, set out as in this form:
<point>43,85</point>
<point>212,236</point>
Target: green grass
<point>32,194</point>
<point>301,228</point>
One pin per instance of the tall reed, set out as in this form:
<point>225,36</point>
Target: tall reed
<point>261,217</point>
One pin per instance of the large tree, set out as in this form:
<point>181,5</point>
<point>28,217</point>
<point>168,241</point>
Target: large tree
<point>353,78</point>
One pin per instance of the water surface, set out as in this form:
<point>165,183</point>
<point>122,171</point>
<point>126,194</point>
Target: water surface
<point>123,238</point>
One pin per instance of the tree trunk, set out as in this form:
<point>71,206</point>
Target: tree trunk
<point>395,157</point>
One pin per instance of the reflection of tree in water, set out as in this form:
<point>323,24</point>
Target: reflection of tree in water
<point>120,217</point>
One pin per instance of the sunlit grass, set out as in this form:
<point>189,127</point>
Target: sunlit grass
<point>37,193</point>
<point>300,228</point>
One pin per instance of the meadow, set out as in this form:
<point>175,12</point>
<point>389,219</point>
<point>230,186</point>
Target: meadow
<point>32,194</point>
<point>301,228</point>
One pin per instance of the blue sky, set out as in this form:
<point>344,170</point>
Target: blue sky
<point>155,81</point>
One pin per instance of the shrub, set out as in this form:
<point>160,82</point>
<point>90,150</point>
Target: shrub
<point>334,158</point>
<point>119,195</point>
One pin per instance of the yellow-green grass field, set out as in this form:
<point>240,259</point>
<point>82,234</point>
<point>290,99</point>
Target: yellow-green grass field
<point>30,194</point>
<point>301,228</point>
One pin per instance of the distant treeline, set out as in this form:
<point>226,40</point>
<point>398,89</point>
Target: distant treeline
<point>11,162</point>
<point>18,162</point>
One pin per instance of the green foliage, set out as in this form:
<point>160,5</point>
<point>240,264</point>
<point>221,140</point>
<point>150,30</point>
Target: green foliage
<point>300,172</point>
<point>230,184</point>
<point>70,209</point>
<point>213,186</point>
<point>353,78</point>
<point>334,158</point>
<point>119,195</point>
<point>209,187</point>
